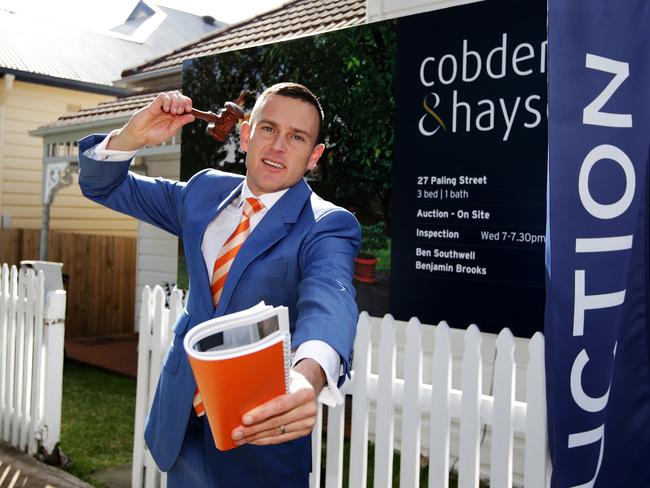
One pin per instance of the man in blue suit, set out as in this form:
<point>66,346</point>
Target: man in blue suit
<point>299,253</point>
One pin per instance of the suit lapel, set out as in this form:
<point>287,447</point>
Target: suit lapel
<point>204,285</point>
<point>273,227</point>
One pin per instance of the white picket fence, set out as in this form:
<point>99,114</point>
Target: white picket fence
<point>156,321</point>
<point>31,360</point>
<point>437,409</point>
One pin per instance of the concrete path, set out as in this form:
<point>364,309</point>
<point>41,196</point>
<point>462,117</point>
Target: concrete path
<point>18,470</point>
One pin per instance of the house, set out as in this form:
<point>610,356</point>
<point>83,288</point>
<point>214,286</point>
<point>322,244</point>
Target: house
<point>157,251</point>
<point>47,69</point>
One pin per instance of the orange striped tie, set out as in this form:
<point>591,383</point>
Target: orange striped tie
<point>222,265</point>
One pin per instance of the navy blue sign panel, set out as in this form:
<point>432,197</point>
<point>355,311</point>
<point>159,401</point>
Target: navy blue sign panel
<point>597,368</point>
<point>469,178</point>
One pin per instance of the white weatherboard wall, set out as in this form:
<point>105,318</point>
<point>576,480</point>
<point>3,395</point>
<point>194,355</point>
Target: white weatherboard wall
<point>24,107</point>
<point>157,250</point>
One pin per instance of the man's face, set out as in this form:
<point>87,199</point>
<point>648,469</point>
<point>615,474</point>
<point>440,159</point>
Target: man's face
<point>280,144</point>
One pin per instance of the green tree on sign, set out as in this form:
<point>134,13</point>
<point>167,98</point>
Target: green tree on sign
<point>351,70</point>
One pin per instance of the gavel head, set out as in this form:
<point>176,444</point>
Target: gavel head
<point>225,121</point>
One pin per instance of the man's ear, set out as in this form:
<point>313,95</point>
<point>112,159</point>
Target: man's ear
<point>316,153</point>
<point>244,135</point>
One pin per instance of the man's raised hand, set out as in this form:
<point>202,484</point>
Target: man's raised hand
<point>155,123</point>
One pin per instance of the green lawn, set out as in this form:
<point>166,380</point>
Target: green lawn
<point>97,419</point>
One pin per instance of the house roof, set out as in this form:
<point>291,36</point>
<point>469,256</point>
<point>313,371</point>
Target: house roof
<point>34,48</point>
<point>113,109</point>
<point>293,19</point>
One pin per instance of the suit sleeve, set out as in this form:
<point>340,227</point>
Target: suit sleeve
<point>154,200</point>
<point>327,309</point>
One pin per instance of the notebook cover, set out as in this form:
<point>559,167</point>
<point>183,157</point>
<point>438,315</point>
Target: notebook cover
<point>231,387</point>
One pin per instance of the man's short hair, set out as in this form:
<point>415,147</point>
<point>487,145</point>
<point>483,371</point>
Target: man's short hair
<point>297,91</point>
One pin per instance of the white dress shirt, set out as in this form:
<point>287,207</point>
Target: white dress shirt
<point>215,236</point>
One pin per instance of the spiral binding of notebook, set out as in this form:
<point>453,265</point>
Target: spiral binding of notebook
<point>287,361</point>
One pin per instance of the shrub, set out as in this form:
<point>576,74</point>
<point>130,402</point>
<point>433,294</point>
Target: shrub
<point>373,239</point>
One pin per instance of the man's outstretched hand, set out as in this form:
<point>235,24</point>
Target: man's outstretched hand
<point>285,417</point>
<point>154,123</point>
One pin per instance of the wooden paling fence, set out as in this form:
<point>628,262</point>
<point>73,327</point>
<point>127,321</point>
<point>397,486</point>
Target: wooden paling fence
<point>31,360</point>
<point>383,395</point>
<point>99,274</point>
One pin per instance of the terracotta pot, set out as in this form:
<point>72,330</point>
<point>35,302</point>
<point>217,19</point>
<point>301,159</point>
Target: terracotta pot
<point>364,268</point>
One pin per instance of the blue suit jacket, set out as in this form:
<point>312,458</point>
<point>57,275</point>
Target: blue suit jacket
<point>300,255</point>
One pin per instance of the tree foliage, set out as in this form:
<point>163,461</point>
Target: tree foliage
<point>351,70</point>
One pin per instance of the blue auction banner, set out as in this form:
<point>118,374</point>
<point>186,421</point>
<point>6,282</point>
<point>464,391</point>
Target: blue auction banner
<point>598,381</point>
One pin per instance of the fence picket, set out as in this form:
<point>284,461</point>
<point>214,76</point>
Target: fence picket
<point>385,410</point>
<point>17,417</point>
<point>4,346</point>
<point>161,315</point>
<point>142,388</point>
<point>334,459</point>
<point>28,358</point>
<point>411,414</point>
<point>11,352</point>
<point>439,409</point>
<point>502,429</point>
<point>53,338</point>
<point>470,425</point>
<point>536,463</point>
<point>176,308</point>
<point>11,366</point>
<point>39,376</point>
<point>151,476</point>
<point>316,441</point>
<point>359,430</point>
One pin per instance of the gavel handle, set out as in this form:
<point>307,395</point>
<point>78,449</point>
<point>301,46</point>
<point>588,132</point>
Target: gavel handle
<point>207,116</point>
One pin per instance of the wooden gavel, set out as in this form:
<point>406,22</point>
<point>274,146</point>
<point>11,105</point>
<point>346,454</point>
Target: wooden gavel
<point>221,124</point>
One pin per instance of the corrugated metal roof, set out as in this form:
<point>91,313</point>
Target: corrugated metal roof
<point>39,46</point>
<point>294,19</point>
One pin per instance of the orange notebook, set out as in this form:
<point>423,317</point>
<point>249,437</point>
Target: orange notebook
<point>249,368</point>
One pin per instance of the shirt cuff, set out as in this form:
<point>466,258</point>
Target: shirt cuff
<point>329,360</point>
<point>100,153</point>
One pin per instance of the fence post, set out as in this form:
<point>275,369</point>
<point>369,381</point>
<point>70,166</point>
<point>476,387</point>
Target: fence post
<point>360,407</point>
<point>501,443</point>
<point>411,411</point>
<point>537,463</point>
<point>54,321</point>
<point>470,423</point>
<point>384,430</point>
<point>439,409</point>
<point>142,400</point>
<point>11,294</point>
